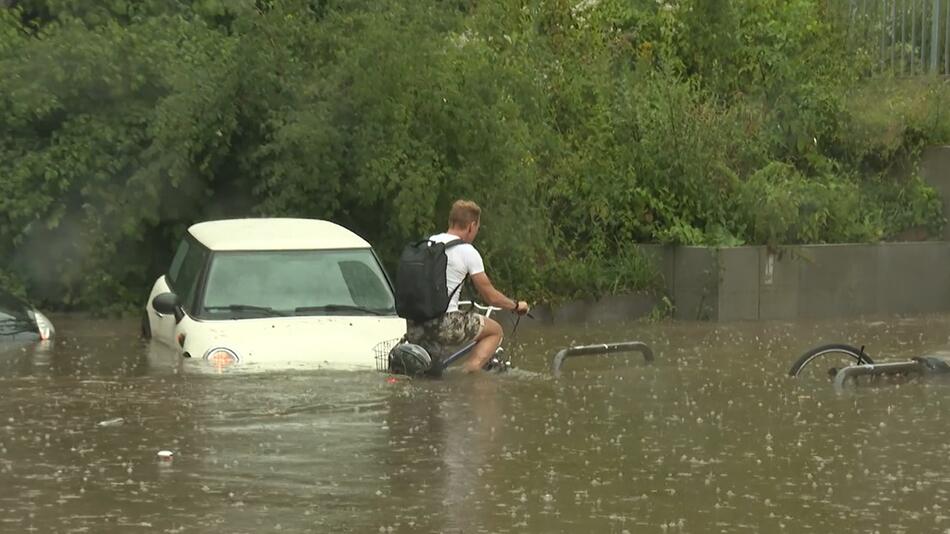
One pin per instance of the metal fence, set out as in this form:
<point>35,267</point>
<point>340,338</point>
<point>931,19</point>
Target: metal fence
<point>906,37</point>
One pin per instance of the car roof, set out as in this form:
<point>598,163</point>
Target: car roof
<point>275,234</point>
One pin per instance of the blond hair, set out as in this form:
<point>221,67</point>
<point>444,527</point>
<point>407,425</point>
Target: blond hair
<point>464,213</point>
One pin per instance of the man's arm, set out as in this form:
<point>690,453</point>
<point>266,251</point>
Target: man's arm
<point>494,297</point>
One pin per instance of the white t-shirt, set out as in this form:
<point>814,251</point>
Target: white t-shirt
<point>462,259</point>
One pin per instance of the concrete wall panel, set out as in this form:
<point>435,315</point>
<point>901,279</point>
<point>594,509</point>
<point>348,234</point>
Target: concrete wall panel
<point>738,283</point>
<point>779,273</point>
<point>622,307</point>
<point>696,283</point>
<point>913,277</point>
<point>836,280</point>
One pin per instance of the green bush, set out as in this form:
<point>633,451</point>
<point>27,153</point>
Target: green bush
<point>582,128</point>
<point>783,207</point>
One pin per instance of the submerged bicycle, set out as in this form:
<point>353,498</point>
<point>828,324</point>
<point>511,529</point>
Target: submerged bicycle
<point>398,356</point>
<point>844,363</point>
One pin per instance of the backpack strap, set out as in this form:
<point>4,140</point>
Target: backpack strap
<point>462,283</point>
<point>449,245</point>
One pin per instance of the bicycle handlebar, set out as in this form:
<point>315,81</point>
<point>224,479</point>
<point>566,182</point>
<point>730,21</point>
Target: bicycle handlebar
<point>486,309</point>
<point>481,307</point>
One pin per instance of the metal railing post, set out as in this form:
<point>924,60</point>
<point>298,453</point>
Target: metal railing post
<point>893,32</point>
<point>924,35</point>
<point>903,35</point>
<point>913,35</point>
<point>881,27</point>
<point>934,36</point>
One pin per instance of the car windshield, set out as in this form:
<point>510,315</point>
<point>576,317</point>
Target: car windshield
<point>14,316</point>
<point>308,282</point>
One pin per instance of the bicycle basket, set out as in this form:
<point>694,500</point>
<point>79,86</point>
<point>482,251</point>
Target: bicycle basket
<point>381,352</point>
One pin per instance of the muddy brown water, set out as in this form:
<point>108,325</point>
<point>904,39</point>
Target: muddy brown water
<point>713,437</point>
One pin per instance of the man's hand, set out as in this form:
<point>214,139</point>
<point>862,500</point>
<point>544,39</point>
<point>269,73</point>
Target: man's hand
<point>521,307</point>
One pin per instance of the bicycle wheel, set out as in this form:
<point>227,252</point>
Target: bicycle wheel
<point>832,357</point>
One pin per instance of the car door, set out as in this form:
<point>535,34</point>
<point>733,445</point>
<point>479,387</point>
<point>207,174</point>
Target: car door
<point>183,278</point>
<point>162,327</point>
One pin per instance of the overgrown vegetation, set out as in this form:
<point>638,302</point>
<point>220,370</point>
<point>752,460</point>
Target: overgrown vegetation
<point>582,127</point>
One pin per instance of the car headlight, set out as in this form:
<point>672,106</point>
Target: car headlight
<point>43,325</point>
<point>222,357</point>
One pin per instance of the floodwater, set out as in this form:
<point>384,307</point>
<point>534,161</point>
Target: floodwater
<point>712,437</point>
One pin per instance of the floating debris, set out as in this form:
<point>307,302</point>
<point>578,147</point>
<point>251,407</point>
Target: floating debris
<point>112,422</point>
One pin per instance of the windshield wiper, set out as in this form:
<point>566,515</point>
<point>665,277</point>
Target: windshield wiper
<point>340,308</point>
<point>247,307</point>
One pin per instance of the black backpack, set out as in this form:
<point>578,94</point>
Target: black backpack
<point>421,293</point>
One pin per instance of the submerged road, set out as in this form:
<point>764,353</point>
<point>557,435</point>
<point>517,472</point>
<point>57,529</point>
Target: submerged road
<point>712,437</point>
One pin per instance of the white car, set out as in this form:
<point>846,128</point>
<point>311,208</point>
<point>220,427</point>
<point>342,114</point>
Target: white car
<point>274,291</point>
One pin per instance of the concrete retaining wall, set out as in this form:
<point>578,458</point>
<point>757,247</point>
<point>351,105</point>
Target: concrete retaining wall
<point>794,282</point>
<point>810,281</point>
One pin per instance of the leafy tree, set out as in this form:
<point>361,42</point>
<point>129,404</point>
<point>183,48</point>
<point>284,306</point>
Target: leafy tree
<point>583,128</point>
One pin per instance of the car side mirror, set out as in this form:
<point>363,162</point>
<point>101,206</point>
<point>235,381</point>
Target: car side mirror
<point>166,303</point>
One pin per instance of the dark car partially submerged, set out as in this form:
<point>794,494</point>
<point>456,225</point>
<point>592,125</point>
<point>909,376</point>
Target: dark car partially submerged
<point>20,322</point>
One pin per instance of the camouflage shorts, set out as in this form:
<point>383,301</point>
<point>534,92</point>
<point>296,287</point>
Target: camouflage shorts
<point>447,333</point>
